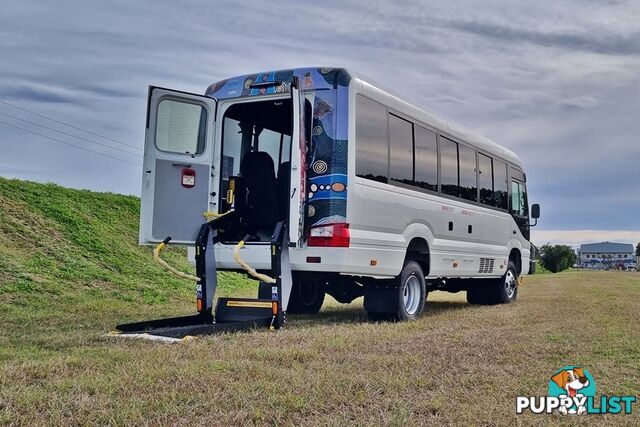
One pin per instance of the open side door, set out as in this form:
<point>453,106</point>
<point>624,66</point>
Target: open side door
<point>178,153</point>
<point>299,144</point>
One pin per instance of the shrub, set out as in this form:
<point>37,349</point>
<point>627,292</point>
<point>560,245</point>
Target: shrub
<point>557,258</point>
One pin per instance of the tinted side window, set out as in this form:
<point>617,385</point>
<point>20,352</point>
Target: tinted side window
<point>485,179</point>
<point>401,146</point>
<point>500,189</point>
<point>449,167</point>
<point>468,182</point>
<point>426,158</point>
<point>371,140</point>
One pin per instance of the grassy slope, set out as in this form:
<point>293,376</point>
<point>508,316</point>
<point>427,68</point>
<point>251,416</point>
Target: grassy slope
<point>70,269</point>
<point>70,257</point>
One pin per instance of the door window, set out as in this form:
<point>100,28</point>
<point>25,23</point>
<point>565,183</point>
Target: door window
<point>180,127</point>
<point>518,199</point>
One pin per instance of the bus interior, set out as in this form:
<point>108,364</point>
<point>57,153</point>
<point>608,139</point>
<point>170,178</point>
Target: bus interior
<point>255,167</point>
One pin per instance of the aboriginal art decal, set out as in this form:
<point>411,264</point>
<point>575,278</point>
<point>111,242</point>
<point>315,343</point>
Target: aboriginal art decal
<point>327,154</point>
<point>327,159</point>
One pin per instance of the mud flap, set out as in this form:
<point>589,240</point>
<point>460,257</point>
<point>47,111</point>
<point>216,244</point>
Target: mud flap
<point>381,299</point>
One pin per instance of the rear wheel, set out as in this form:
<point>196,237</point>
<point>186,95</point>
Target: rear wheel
<point>402,299</point>
<point>477,294</point>
<point>307,296</point>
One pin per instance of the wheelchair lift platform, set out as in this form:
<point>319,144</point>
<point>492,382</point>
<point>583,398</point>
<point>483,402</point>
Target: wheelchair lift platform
<point>231,314</point>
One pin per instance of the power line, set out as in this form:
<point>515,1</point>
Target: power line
<point>67,124</point>
<point>68,134</point>
<point>67,143</point>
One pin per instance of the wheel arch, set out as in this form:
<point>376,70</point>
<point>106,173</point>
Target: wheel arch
<point>419,240</point>
<point>516,256</point>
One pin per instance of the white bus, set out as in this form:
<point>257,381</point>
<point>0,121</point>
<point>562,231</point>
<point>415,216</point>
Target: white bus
<point>382,199</point>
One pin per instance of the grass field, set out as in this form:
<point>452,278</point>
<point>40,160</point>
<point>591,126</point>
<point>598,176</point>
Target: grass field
<point>70,270</point>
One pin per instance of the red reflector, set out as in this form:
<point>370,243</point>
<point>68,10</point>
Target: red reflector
<point>188,178</point>
<point>314,259</point>
<point>333,235</point>
<point>199,304</point>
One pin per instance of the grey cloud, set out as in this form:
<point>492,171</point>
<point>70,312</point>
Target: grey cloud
<point>607,44</point>
<point>29,91</point>
<point>556,81</point>
<point>38,93</point>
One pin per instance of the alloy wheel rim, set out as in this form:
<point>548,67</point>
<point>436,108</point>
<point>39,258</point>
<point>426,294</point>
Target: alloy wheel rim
<point>510,284</point>
<point>411,295</point>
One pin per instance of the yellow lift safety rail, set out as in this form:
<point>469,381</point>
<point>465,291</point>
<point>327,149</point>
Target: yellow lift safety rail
<point>179,274</point>
<point>236,256</point>
<point>250,270</point>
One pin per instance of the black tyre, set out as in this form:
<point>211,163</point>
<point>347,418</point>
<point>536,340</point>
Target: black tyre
<point>498,291</point>
<point>403,299</point>
<point>307,296</point>
<point>506,290</point>
<point>477,294</point>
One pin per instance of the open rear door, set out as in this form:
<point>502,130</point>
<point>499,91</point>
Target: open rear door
<point>298,167</point>
<point>178,155</point>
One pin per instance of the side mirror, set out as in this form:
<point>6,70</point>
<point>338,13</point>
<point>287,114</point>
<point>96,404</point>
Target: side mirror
<point>535,211</point>
<point>535,214</point>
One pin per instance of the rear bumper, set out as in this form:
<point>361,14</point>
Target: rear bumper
<point>352,260</point>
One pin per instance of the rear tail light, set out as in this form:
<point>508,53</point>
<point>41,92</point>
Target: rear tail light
<point>333,235</point>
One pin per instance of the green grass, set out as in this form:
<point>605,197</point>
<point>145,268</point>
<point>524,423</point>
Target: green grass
<point>70,269</point>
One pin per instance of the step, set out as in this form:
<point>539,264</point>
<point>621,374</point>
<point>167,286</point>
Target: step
<point>243,310</point>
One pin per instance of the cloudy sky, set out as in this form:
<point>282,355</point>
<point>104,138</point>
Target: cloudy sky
<point>557,81</point>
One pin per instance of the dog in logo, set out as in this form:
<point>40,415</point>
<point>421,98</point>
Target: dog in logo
<point>572,381</point>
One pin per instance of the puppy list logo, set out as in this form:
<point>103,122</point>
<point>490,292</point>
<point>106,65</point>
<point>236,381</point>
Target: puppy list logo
<point>572,390</point>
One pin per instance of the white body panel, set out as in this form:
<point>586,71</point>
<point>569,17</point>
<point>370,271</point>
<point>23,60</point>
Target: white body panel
<point>384,218</point>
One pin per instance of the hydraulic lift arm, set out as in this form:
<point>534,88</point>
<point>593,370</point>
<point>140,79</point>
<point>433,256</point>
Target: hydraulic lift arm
<point>231,314</point>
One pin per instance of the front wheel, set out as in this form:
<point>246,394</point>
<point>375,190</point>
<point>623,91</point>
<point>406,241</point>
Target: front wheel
<point>503,290</point>
<point>507,289</point>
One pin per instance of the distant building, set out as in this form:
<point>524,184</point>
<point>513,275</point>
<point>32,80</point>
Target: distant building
<point>606,255</point>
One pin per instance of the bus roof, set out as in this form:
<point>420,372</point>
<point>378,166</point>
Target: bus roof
<point>332,77</point>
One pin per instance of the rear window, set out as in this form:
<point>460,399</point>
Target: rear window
<point>180,127</point>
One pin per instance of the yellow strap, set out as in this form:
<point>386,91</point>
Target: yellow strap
<point>250,270</point>
<point>210,216</point>
<point>172,270</point>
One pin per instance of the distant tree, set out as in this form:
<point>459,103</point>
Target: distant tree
<point>557,258</point>
<point>638,250</point>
